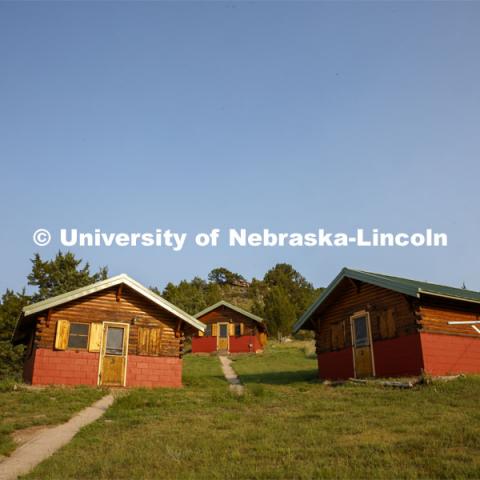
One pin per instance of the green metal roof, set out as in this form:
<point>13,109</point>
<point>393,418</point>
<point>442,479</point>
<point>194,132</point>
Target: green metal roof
<point>412,288</point>
<point>228,305</point>
<point>104,284</point>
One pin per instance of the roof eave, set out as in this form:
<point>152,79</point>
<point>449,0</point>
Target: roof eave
<point>450,297</point>
<point>73,295</point>
<point>355,275</point>
<point>167,305</point>
<point>233,307</point>
<point>108,283</point>
<point>322,297</point>
<point>379,281</point>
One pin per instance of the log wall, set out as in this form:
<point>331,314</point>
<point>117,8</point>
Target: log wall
<point>223,314</point>
<point>253,338</point>
<point>333,323</point>
<point>437,312</point>
<point>112,305</point>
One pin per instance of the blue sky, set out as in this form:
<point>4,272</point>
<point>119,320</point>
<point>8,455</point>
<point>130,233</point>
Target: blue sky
<point>288,116</point>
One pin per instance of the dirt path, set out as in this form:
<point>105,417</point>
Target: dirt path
<point>45,443</point>
<point>230,375</point>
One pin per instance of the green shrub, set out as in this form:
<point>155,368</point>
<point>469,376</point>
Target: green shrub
<point>8,385</point>
<point>10,361</point>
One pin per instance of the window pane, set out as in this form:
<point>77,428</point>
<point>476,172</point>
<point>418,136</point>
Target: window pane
<point>223,331</point>
<point>77,341</point>
<point>361,332</point>
<point>208,331</point>
<point>114,341</point>
<point>78,337</point>
<point>79,328</point>
<point>238,330</point>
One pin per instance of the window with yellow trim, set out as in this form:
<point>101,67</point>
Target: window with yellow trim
<point>78,336</point>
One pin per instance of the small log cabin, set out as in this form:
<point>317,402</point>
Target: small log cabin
<point>115,332</point>
<point>229,329</point>
<point>368,324</point>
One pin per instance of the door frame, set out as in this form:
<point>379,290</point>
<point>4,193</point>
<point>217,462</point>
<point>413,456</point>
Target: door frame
<point>362,313</point>
<point>103,348</point>
<point>228,334</point>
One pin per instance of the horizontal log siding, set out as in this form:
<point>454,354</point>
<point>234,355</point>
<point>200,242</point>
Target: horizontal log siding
<point>436,313</point>
<point>102,307</point>
<point>350,298</point>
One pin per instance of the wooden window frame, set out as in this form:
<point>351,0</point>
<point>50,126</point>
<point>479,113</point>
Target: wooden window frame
<point>239,326</point>
<point>227,328</point>
<point>367,327</point>
<point>82,349</point>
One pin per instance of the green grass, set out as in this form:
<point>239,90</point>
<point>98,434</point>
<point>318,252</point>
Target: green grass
<point>22,408</point>
<point>287,425</point>
<point>281,364</point>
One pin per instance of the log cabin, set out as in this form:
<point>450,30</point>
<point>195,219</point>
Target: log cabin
<point>115,332</point>
<point>229,329</point>
<point>368,324</point>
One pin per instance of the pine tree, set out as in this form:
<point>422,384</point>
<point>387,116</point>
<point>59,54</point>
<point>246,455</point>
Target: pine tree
<point>10,357</point>
<point>279,312</point>
<point>52,277</point>
<point>299,291</point>
<point>60,275</point>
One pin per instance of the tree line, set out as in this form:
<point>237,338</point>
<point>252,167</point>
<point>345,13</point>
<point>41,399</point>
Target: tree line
<point>280,297</point>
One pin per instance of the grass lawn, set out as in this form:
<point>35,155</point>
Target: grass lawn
<point>24,408</point>
<point>287,425</point>
<point>282,364</point>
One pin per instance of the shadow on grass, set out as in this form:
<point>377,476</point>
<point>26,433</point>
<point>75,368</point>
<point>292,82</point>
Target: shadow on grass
<point>192,380</point>
<point>279,378</point>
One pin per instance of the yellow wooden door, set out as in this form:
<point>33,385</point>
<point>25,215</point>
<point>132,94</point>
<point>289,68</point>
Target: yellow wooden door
<point>222,336</point>
<point>362,348</point>
<point>113,361</point>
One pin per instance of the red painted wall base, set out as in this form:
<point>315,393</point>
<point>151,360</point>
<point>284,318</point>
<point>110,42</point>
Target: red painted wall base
<point>154,371</point>
<point>436,354</point>
<point>52,367</point>
<point>336,365</point>
<point>394,357</point>
<point>399,356</point>
<point>450,354</point>
<point>204,344</point>
<point>243,344</point>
